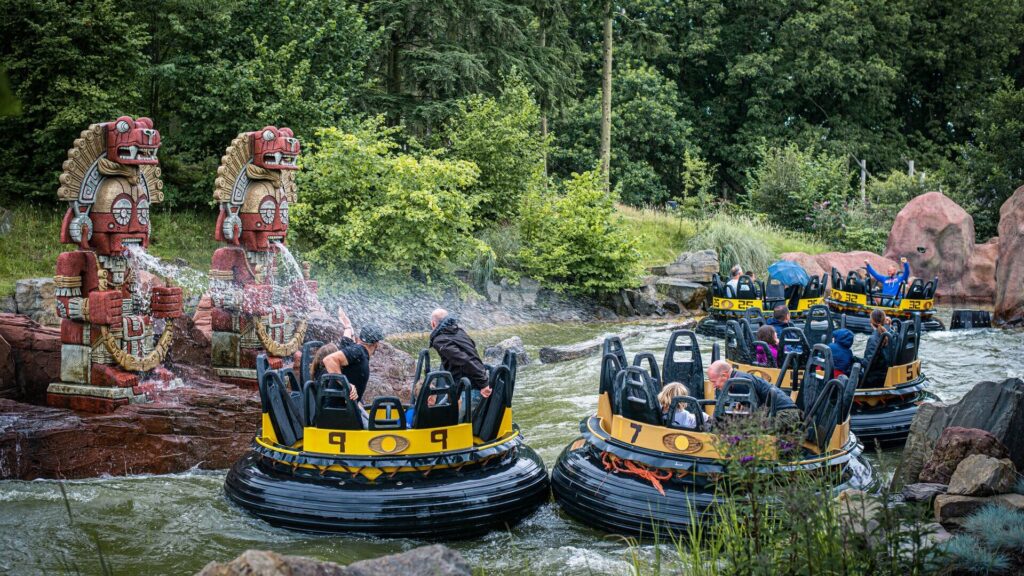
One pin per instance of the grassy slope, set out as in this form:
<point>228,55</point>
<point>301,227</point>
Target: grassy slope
<point>31,248</point>
<point>663,236</point>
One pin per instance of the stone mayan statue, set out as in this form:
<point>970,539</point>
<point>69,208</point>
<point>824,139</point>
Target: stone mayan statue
<point>259,301</point>
<point>108,314</point>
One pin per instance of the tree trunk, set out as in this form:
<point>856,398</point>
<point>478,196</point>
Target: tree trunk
<point>543,111</point>
<point>606,100</point>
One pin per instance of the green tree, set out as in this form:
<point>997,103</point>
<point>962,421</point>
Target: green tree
<point>501,136</point>
<point>367,208</point>
<point>434,53</point>
<point>800,189</point>
<point>652,137</point>
<point>574,241</point>
<point>70,65</point>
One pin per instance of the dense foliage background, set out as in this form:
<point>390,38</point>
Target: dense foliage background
<point>438,133</point>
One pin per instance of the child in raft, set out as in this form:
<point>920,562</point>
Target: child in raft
<point>683,418</point>
<point>769,336</point>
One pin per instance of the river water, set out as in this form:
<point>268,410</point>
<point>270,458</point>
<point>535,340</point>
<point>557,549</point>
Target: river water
<point>175,524</point>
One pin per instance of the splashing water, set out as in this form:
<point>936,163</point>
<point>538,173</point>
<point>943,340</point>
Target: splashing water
<point>295,270</point>
<point>188,278</point>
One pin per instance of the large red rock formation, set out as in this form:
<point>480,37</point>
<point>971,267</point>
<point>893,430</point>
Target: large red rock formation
<point>34,358</point>
<point>1009,300</point>
<point>937,238</point>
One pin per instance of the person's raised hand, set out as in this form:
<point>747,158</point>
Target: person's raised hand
<point>903,259</point>
<point>486,392</point>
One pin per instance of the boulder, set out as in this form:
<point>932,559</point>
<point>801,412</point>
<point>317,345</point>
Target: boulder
<point>696,266</point>
<point>436,560</point>
<point>1009,297</point>
<point>997,407</point>
<point>35,353</point>
<point>493,355</point>
<point>35,299</point>
<point>922,491</point>
<point>523,294</point>
<point>858,515</point>
<point>688,294</point>
<point>953,447</point>
<point>806,261</point>
<point>979,475</point>
<point>953,509</point>
<point>8,374</point>
<point>391,373</point>
<point>937,237</point>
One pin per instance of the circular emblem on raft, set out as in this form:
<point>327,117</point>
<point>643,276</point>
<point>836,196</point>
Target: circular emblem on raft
<point>726,304</point>
<point>388,444</point>
<point>682,443</point>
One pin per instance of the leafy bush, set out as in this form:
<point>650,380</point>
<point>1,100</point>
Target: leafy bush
<point>365,207</point>
<point>573,240</point>
<point>500,260</point>
<point>799,189</point>
<point>501,136</point>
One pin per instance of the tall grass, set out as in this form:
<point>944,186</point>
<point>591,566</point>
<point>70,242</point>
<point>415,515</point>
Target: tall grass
<point>791,523</point>
<point>749,242</point>
<point>31,248</point>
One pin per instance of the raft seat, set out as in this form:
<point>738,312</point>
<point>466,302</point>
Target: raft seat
<point>688,367</point>
<point>818,324</point>
<point>692,405</point>
<point>393,414</point>
<point>817,373</point>
<point>736,399</point>
<point>437,404</point>
<point>334,408</point>
<point>764,349</point>
<point>774,293</point>
<point>638,396</point>
<point>277,403</point>
<point>652,367</point>
<point>488,416</point>
<point>793,294</point>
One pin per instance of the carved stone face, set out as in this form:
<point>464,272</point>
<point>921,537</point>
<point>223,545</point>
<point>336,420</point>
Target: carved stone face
<point>120,217</point>
<point>132,142</point>
<point>275,148</point>
<point>264,216</point>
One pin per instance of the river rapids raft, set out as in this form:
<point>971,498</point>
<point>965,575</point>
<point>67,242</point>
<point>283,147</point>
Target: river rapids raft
<point>886,397</point>
<point>756,300</point>
<point>316,466</point>
<point>633,472</point>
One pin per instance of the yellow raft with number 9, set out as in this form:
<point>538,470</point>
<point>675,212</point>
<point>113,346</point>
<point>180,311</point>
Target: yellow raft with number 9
<point>633,471</point>
<point>423,469</point>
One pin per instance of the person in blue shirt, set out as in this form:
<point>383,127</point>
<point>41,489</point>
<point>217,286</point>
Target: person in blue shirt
<point>842,355</point>
<point>890,283</point>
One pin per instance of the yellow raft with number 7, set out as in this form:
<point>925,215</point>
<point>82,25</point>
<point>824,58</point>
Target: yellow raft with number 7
<point>319,464</point>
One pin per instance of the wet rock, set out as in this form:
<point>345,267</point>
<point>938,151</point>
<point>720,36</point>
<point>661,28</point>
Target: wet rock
<point>493,355</point>
<point>523,294</point>
<point>8,305</point>
<point>436,560</point>
<point>997,407</point>
<point>953,509</point>
<point>696,266</point>
<point>1009,298</point>
<point>553,354</point>
<point>858,515</point>
<point>8,375</point>
<point>202,318</point>
<point>606,314</point>
<point>671,307</point>
<point>922,491</point>
<point>35,351</point>
<point>623,303</point>
<point>953,447</point>
<point>937,237</point>
<point>391,373</point>
<point>35,299</point>
<point>688,294</point>
<point>979,475</point>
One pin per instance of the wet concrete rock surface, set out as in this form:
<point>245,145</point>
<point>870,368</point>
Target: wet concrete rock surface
<point>436,560</point>
<point>955,445</point>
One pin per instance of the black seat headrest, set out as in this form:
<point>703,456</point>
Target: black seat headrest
<point>613,345</point>
<point>690,404</point>
<point>306,363</point>
<point>393,417</point>
<point>437,403</point>
<point>817,372</point>
<point>652,366</point>
<point>737,398</point>
<point>487,418</point>
<point>638,396</point>
<point>682,362</point>
<point>334,407</point>
<point>818,324</point>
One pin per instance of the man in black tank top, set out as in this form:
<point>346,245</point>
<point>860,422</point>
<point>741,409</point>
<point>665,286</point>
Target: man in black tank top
<point>353,356</point>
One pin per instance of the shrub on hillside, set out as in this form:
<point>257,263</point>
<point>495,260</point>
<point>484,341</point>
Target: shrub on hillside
<point>574,241</point>
<point>799,189</point>
<point>367,208</point>
<point>737,240</point>
<point>502,137</point>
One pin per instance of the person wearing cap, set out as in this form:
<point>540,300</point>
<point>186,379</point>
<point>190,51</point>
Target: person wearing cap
<point>458,354</point>
<point>352,357</point>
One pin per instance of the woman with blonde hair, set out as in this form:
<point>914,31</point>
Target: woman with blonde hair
<point>682,418</point>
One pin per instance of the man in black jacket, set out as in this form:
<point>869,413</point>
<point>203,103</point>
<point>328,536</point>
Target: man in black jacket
<point>458,353</point>
<point>787,415</point>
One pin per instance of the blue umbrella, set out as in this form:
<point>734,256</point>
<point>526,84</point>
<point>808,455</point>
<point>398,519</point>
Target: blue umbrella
<point>788,273</point>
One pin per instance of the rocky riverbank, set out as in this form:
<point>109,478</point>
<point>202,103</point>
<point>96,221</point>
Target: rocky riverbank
<point>436,560</point>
